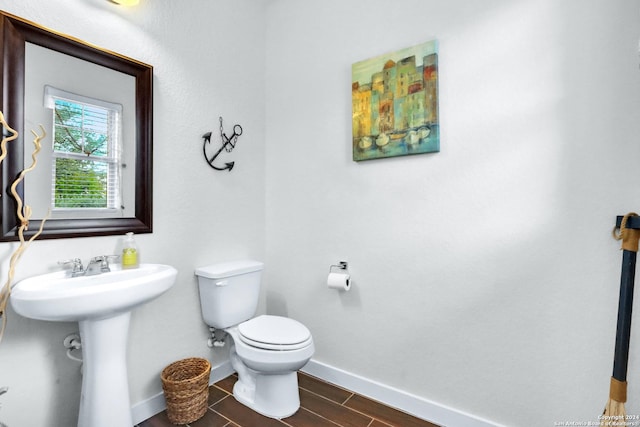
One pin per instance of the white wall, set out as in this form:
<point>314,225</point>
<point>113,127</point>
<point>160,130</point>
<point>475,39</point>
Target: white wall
<point>208,60</point>
<point>485,277</point>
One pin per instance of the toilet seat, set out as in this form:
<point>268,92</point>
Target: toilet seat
<point>274,333</point>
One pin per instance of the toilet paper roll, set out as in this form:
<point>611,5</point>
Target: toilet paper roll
<point>340,281</point>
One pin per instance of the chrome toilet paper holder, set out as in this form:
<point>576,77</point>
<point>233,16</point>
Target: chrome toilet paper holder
<point>342,265</point>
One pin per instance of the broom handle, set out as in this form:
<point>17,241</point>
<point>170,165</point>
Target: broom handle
<point>625,306</point>
<point>633,222</point>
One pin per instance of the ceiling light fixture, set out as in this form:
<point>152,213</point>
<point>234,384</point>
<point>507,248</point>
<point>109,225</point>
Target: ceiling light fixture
<point>126,2</point>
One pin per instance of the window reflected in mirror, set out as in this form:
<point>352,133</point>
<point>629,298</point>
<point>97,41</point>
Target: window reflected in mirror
<point>86,152</point>
<point>83,108</point>
<point>95,169</point>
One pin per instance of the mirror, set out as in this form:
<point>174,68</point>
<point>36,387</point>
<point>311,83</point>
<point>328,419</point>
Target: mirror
<point>32,83</point>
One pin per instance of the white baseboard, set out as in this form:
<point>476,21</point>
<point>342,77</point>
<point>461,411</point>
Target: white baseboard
<point>156,404</point>
<point>414,405</point>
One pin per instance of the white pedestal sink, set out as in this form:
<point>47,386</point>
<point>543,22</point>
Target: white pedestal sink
<point>102,305</point>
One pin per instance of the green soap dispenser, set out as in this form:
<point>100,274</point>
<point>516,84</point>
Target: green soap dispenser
<point>129,252</point>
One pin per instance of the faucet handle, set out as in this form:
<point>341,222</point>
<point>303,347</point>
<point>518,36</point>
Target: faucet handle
<point>74,261</point>
<point>104,261</point>
<point>76,264</point>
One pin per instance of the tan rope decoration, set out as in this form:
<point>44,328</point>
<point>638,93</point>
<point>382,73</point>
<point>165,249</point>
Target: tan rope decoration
<point>629,236</point>
<point>3,144</point>
<point>24,214</point>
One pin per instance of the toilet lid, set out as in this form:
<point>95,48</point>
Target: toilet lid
<point>274,333</point>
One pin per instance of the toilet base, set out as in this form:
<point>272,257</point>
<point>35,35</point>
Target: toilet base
<point>274,396</point>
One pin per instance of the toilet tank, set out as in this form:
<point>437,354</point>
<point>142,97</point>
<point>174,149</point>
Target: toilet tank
<point>229,292</point>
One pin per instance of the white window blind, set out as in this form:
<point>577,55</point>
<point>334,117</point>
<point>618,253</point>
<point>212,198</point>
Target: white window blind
<point>86,151</point>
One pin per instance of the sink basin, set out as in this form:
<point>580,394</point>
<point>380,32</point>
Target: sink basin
<point>101,305</point>
<point>59,297</point>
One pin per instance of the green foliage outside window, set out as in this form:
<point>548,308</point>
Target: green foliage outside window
<point>80,184</point>
<point>81,151</point>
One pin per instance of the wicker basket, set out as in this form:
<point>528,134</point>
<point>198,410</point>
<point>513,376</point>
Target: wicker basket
<point>186,389</point>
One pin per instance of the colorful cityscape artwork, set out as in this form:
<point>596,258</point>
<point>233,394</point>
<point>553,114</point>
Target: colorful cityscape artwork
<point>395,103</point>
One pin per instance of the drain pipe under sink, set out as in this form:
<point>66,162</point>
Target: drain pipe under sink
<point>73,342</point>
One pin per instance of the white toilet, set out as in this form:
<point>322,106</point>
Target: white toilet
<point>266,350</point>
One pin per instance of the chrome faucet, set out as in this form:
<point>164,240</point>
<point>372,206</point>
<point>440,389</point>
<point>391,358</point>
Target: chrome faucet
<point>76,266</point>
<point>97,265</point>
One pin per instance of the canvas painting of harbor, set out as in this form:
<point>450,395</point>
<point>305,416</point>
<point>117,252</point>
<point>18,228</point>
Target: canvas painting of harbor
<point>395,103</point>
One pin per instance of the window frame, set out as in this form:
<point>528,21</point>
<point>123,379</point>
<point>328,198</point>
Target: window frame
<point>113,158</point>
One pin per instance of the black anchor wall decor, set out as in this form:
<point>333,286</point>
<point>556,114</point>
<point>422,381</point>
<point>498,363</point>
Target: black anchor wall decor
<point>228,144</point>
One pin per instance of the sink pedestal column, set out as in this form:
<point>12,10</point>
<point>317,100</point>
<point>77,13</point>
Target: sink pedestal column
<point>105,386</point>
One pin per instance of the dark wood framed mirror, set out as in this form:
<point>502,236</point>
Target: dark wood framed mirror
<point>16,34</point>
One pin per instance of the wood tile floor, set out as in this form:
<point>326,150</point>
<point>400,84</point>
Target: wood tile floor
<point>321,405</point>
